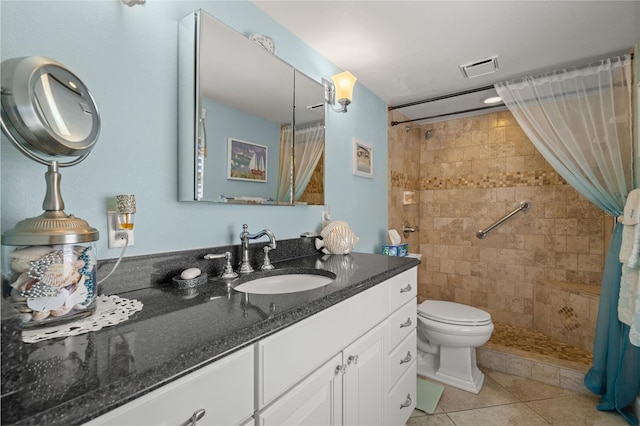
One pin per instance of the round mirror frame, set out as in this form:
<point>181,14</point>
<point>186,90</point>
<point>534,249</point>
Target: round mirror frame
<point>23,116</point>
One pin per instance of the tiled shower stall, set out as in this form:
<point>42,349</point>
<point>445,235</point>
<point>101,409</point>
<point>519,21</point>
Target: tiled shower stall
<point>538,274</point>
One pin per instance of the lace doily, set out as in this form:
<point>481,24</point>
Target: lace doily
<point>110,310</point>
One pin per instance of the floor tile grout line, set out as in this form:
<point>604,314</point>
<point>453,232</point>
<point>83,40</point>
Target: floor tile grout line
<point>483,407</point>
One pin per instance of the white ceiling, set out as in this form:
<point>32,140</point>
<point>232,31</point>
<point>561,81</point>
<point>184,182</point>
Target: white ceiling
<point>406,51</point>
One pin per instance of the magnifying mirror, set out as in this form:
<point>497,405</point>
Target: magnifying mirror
<point>48,112</point>
<point>46,108</point>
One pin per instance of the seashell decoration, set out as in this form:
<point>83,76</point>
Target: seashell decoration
<point>21,259</point>
<point>48,282</point>
<point>337,238</point>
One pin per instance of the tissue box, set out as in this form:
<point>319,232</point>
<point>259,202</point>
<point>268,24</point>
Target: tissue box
<point>395,250</point>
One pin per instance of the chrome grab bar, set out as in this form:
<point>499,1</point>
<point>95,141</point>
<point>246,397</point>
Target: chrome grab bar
<point>524,206</point>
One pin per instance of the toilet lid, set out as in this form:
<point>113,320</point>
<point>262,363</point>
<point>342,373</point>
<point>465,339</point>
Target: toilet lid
<point>453,313</point>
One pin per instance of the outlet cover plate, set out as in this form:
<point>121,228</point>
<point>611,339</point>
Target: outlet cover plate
<point>112,230</point>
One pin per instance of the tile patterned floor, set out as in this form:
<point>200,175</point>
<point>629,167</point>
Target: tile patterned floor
<point>511,400</point>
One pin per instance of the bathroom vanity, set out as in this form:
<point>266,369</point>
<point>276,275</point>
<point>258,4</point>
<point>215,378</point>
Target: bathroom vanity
<point>341,354</point>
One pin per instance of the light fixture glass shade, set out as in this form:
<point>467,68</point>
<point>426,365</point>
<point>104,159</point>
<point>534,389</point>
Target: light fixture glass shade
<point>344,83</point>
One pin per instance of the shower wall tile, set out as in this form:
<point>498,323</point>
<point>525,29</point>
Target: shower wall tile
<point>470,173</point>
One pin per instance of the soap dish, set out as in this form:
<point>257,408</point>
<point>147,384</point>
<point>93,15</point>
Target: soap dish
<point>190,283</point>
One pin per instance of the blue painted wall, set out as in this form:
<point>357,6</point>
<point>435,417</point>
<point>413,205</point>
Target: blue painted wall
<point>128,59</point>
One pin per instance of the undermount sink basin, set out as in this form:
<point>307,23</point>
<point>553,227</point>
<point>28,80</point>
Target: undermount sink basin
<point>286,283</point>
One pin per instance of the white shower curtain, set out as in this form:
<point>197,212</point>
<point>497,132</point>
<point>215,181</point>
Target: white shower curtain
<point>286,170</point>
<point>580,121</point>
<point>307,151</point>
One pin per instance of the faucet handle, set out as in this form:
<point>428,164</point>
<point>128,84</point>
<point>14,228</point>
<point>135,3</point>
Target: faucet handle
<point>228,272</point>
<point>266,263</point>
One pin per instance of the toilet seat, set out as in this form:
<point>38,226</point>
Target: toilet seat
<point>453,313</point>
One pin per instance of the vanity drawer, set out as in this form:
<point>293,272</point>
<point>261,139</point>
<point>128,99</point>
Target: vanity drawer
<point>401,324</point>
<point>224,390</point>
<point>401,359</point>
<point>402,288</point>
<point>402,398</point>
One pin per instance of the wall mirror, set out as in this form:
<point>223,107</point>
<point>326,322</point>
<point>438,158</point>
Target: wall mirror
<point>251,126</point>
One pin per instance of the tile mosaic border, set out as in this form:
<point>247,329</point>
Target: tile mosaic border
<point>496,180</point>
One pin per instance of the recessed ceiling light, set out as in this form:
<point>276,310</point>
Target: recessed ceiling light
<point>492,100</point>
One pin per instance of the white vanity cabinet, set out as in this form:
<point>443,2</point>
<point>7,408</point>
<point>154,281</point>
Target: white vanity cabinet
<point>353,363</point>
<point>341,365</point>
<point>224,390</point>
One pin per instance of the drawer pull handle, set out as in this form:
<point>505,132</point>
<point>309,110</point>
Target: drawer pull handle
<point>407,402</point>
<point>406,358</point>
<point>197,415</point>
<point>406,289</point>
<point>407,323</point>
<point>352,359</point>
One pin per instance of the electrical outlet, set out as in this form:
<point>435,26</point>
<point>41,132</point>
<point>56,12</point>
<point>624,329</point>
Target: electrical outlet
<point>115,235</point>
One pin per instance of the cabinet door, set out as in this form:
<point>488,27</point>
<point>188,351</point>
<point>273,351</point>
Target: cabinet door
<point>364,390</point>
<point>317,400</point>
<point>221,393</point>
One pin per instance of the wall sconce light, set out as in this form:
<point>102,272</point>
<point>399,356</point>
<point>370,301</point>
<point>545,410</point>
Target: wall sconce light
<point>341,89</point>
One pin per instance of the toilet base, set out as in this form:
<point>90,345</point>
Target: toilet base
<point>455,367</point>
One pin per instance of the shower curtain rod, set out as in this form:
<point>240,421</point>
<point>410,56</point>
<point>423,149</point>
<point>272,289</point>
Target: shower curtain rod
<point>439,98</point>
<point>395,123</point>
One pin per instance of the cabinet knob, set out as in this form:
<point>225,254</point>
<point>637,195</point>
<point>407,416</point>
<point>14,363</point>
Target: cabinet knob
<point>407,323</point>
<point>406,358</point>
<point>406,289</point>
<point>352,359</point>
<point>197,415</point>
<point>407,402</point>
<point>340,368</point>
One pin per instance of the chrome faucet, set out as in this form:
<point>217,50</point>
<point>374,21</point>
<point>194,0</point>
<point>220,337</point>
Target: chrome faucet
<point>227,273</point>
<point>245,236</point>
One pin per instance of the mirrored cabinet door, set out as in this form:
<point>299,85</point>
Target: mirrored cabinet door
<point>237,109</point>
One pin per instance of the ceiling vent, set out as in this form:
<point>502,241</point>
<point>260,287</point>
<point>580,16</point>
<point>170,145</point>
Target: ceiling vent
<point>481,67</point>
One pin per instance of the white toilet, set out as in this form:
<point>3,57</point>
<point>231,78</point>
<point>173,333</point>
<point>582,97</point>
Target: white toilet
<point>448,335</point>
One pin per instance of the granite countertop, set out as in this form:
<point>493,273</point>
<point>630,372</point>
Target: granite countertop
<point>72,380</point>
